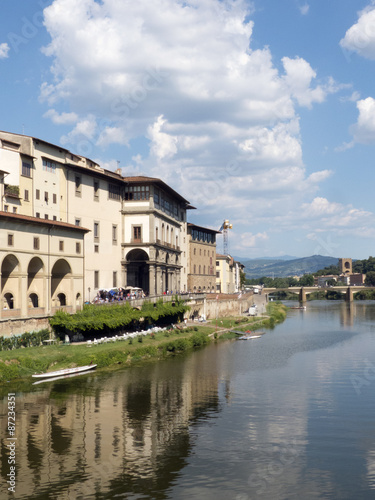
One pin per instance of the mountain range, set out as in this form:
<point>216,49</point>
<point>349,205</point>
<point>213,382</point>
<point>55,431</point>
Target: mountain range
<point>280,267</point>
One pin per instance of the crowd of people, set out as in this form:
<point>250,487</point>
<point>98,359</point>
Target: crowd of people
<point>118,295</point>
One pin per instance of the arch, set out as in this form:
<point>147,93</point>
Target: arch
<point>8,301</point>
<point>10,266</point>
<point>136,255</point>
<point>137,269</point>
<point>61,297</point>
<point>61,272</point>
<point>33,300</point>
<point>34,270</point>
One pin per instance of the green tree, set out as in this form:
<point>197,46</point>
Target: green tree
<point>306,280</point>
<point>370,278</point>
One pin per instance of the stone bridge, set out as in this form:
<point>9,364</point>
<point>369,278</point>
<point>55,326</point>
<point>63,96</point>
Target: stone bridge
<point>303,291</point>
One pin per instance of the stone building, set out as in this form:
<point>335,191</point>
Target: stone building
<point>201,259</point>
<point>136,231</point>
<point>228,274</point>
<point>42,266</point>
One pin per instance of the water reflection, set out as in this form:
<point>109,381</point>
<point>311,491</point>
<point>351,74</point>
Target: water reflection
<point>124,432</point>
<point>274,418</point>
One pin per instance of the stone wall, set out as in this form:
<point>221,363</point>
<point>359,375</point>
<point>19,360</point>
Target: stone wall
<point>20,326</point>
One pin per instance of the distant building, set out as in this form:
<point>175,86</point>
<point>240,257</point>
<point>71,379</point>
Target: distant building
<point>346,266</point>
<point>228,274</point>
<point>201,259</point>
<point>357,279</point>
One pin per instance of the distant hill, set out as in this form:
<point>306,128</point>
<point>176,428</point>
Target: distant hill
<point>257,268</point>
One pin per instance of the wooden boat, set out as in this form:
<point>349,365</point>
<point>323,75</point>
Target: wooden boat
<point>67,371</point>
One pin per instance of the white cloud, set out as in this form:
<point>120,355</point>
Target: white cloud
<point>4,50</point>
<point>62,118</point>
<point>304,9</point>
<point>360,37</point>
<point>364,130</point>
<point>218,117</point>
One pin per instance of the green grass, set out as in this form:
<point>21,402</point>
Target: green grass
<point>23,363</point>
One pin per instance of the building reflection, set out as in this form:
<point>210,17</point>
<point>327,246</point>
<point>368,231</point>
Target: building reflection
<point>127,432</point>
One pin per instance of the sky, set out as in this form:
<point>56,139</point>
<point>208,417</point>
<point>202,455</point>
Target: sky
<point>258,112</point>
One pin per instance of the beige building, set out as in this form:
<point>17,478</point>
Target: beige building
<point>42,266</point>
<point>228,274</point>
<point>136,230</point>
<point>202,258</point>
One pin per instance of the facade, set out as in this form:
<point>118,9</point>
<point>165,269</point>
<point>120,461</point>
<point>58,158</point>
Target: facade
<point>137,225</point>
<point>228,274</point>
<point>42,266</point>
<point>346,266</point>
<point>201,259</point>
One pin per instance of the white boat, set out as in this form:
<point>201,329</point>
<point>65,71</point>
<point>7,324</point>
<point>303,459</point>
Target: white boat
<point>67,371</point>
<point>249,337</point>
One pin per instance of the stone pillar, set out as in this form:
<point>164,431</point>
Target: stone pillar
<point>152,279</point>
<point>22,299</point>
<point>349,296</point>
<point>124,275</point>
<point>302,295</point>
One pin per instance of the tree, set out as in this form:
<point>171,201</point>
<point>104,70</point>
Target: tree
<point>306,280</point>
<point>370,278</point>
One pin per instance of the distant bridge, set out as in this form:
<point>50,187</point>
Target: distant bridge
<point>303,291</point>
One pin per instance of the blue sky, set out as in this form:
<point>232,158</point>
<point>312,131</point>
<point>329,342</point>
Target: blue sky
<point>259,112</point>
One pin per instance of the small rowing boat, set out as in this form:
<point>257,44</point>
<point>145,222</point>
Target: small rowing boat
<point>67,371</point>
<point>249,337</point>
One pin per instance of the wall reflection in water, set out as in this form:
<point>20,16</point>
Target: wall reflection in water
<point>118,433</point>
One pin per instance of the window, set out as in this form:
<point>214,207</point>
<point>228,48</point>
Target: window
<point>46,216</point>
<point>96,279</point>
<point>54,198</point>
<point>78,247</point>
<point>217,274</point>
<point>6,208</point>
<point>137,234</point>
<point>114,234</point>
<point>37,194</point>
<point>54,217</point>
<point>195,269</point>
<point>46,196</point>
<point>61,245</point>
<point>49,166</point>
<point>96,231</point>
<point>77,222</point>
<point>77,181</point>
<point>204,269</point>
<point>195,251</point>
<point>26,169</point>
<point>14,210</point>
<point>10,240</point>
<point>114,279</point>
<point>217,262</point>
<point>37,215</point>
<point>156,196</point>
<point>96,190</point>
<point>137,193</point>
<point>114,192</point>
<point>96,248</point>
<point>36,243</point>
<point>26,195</point>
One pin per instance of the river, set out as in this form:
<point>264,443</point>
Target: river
<point>288,416</point>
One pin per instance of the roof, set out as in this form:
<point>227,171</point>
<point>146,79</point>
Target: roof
<point>27,219</point>
<point>141,179</point>
<point>190,224</point>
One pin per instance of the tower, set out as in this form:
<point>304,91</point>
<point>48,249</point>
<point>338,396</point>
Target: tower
<point>345,266</point>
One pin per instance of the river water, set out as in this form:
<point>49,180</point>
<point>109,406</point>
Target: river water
<point>288,416</point>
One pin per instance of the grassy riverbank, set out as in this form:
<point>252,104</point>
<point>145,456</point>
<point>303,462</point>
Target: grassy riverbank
<point>22,363</point>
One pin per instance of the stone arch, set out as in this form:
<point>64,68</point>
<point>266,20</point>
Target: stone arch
<point>137,269</point>
<point>9,268</point>
<point>60,279</point>
<point>34,270</point>
<point>33,300</point>
<point>61,297</point>
<point>8,301</point>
